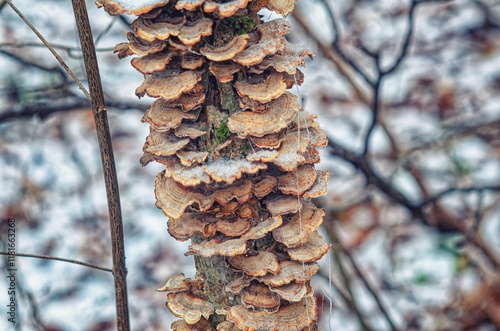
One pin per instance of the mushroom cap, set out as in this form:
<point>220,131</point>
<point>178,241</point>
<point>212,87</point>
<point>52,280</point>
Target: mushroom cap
<point>283,7</point>
<point>230,170</point>
<point>234,227</point>
<point>262,156</point>
<point>230,208</point>
<point>264,186</point>
<point>269,42</point>
<point>182,325</point>
<point>286,61</point>
<point>238,227</point>
<point>190,100</point>
<point>138,46</point>
<point>297,181</point>
<point>191,33</point>
<point>238,284</point>
<point>255,265</point>
<point>152,63</point>
<point>163,117</point>
<point>281,205</point>
<point>259,296</point>
<point>188,4</point>
<point>290,151</point>
<point>227,51</point>
<point>230,247</point>
<point>150,30</point>
<point>163,143</point>
<point>184,175</point>
<point>136,7</point>
<point>175,283</point>
<point>247,103</point>
<point>167,86</point>
<point>296,316</point>
<point>290,271</point>
<point>242,191</point>
<point>319,187</point>
<point>224,72</point>
<point>245,211</point>
<point>191,223</point>
<point>190,130</point>
<point>262,228</point>
<point>264,91</point>
<point>227,326</point>
<point>292,292</point>
<point>270,141</point>
<point>312,250</point>
<point>318,137</point>
<point>302,224</point>
<point>279,114</point>
<point>189,307</point>
<point>190,158</point>
<point>173,198</point>
<point>191,61</point>
<point>225,9</point>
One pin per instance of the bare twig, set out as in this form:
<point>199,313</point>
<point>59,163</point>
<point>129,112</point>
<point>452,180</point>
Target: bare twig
<point>337,288</point>
<point>25,62</point>
<point>368,286</point>
<point>57,106</point>
<point>457,132</point>
<point>338,49</point>
<point>417,210</point>
<point>108,163</point>
<point>66,48</point>
<point>331,55</point>
<point>61,61</point>
<point>460,190</point>
<point>382,73</point>
<point>47,257</point>
<point>106,30</point>
<point>336,246</point>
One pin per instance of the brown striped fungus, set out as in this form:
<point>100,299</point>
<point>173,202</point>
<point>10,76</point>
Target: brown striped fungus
<point>239,155</point>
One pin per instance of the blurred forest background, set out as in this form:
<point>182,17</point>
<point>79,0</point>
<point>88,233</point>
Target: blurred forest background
<point>409,94</point>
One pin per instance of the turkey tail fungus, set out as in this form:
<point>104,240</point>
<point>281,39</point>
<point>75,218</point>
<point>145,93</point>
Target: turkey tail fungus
<point>239,153</point>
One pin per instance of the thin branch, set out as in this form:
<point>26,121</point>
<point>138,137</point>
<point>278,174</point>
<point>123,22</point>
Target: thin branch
<point>47,257</point>
<point>375,113</point>
<point>61,61</point>
<point>417,210</point>
<point>108,163</point>
<point>337,288</point>
<point>25,62</point>
<point>336,246</point>
<point>106,30</point>
<point>337,47</point>
<point>331,55</point>
<point>451,190</point>
<point>57,106</point>
<point>406,41</point>
<point>466,129</point>
<point>359,162</point>
<point>368,286</point>
<point>66,48</point>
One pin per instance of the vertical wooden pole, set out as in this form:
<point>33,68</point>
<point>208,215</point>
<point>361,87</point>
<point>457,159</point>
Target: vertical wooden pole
<point>108,162</point>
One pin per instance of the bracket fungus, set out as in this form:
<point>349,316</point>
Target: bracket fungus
<point>239,155</point>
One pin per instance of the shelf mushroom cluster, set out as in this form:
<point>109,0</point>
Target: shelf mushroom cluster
<point>239,154</point>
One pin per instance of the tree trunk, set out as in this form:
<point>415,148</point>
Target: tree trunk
<point>239,155</point>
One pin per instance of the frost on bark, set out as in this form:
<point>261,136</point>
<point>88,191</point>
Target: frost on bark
<point>239,155</point>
